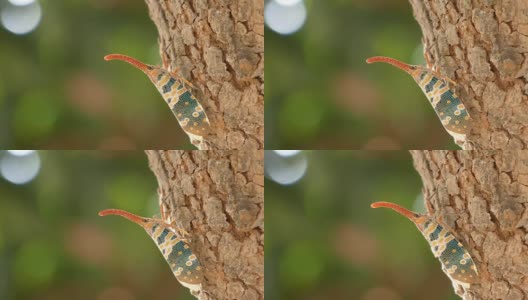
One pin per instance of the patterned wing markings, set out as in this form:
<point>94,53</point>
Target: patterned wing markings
<point>429,231</point>
<point>167,87</point>
<point>178,254</point>
<point>455,259</point>
<point>424,78</point>
<point>160,238</point>
<point>191,115</point>
<point>184,264</point>
<point>182,261</point>
<point>168,245</point>
<point>455,116</point>
<point>438,238</point>
<point>448,107</point>
<point>177,92</point>
<point>429,86</point>
<point>458,264</point>
<point>163,80</point>
<point>192,118</point>
<point>188,111</point>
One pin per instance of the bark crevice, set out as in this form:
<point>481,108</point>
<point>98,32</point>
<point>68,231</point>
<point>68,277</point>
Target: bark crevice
<point>219,47</point>
<point>483,190</point>
<point>205,193</point>
<point>483,47</point>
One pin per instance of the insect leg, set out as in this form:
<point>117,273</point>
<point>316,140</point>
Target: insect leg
<point>428,61</point>
<point>426,54</point>
<point>429,207</point>
<point>175,74</point>
<point>164,61</point>
<point>430,66</point>
<point>182,233</point>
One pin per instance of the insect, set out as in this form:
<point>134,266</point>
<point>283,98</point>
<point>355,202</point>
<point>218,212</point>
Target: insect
<point>183,262</point>
<point>447,105</point>
<point>172,87</point>
<point>455,259</point>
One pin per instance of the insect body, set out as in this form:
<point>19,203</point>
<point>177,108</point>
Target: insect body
<point>183,262</point>
<point>188,111</point>
<point>445,102</point>
<point>455,259</point>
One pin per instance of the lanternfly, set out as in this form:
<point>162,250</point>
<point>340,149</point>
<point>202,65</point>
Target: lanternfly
<point>172,87</point>
<point>455,259</point>
<point>447,105</point>
<point>174,247</point>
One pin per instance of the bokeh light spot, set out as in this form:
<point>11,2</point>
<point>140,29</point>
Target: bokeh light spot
<point>348,236</point>
<point>285,170</point>
<point>21,19</point>
<point>87,243</point>
<point>20,152</point>
<point>288,2</point>
<point>20,169</point>
<point>285,19</point>
<point>287,153</point>
<point>21,2</point>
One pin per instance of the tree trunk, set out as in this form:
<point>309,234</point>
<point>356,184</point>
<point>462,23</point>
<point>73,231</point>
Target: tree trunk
<point>481,196</point>
<point>219,47</point>
<point>482,46</point>
<point>218,197</point>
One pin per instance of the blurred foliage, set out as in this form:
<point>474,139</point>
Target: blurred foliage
<point>53,245</point>
<point>320,93</point>
<point>325,242</point>
<point>57,92</point>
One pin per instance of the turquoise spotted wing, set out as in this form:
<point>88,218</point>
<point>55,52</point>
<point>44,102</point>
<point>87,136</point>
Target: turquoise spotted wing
<point>449,108</point>
<point>183,262</point>
<point>455,116</point>
<point>458,263</point>
<point>455,259</point>
<point>185,107</point>
<point>190,114</point>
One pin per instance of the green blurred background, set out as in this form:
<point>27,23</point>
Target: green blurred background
<point>325,242</point>
<point>320,93</point>
<point>57,92</point>
<point>53,245</point>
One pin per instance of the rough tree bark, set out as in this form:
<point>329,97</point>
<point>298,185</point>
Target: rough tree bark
<point>481,195</point>
<point>219,46</point>
<point>482,45</point>
<point>218,197</point>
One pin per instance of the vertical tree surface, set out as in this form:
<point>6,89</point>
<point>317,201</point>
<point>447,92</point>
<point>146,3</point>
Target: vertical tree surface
<point>482,45</point>
<point>481,196</point>
<point>219,47</point>
<point>218,197</point>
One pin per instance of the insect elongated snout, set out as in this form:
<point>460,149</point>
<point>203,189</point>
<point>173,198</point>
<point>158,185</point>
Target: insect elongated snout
<point>398,64</point>
<point>147,69</point>
<point>125,214</point>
